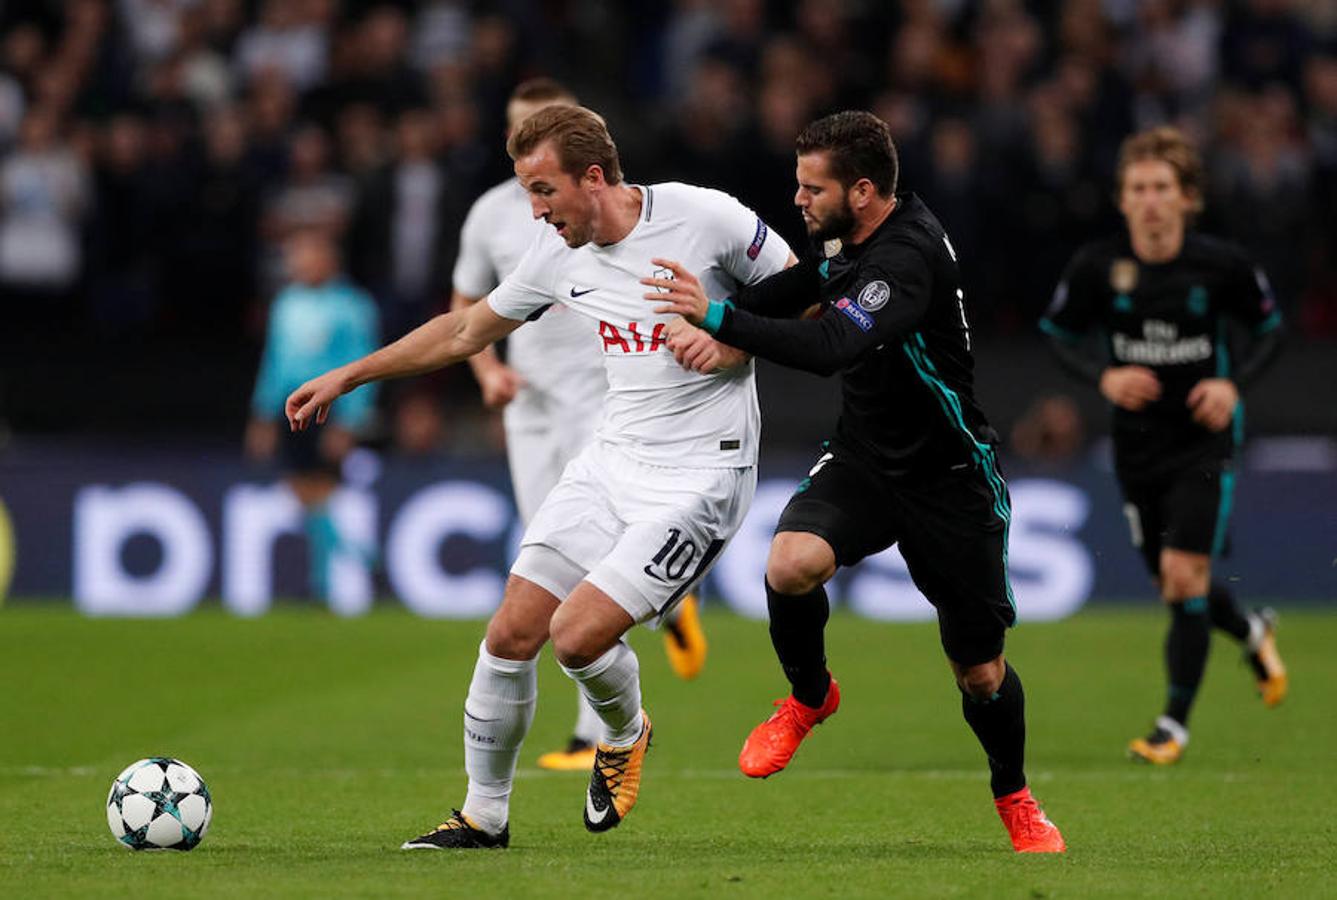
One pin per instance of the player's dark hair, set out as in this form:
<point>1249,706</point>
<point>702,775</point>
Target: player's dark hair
<point>579,135</point>
<point>542,89</point>
<point>858,145</point>
<point>1168,145</point>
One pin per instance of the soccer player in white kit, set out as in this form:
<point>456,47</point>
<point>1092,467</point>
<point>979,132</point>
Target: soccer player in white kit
<point>644,510</point>
<point>551,386</point>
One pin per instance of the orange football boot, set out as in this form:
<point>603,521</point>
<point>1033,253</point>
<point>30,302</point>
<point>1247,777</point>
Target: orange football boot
<point>1262,655</point>
<point>772,744</point>
<point>685,640</point>
<point>1027,825</point>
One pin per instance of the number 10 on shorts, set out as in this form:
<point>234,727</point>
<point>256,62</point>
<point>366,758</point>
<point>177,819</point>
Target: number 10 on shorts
<point>673,559</point>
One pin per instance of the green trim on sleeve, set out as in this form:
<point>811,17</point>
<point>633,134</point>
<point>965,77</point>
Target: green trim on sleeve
<point>715,315</point>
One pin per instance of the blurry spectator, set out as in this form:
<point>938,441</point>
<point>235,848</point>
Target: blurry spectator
<point>127,233</point>
<point>44,195</point>
<point>374,68</point>
<point>1320,312</point>
<point>1259,188</point>
<point>767,184</point>
<point>1172,58</point>
<point>1265,42</point>
<point>702,139</point>
<point>692,27</point>
<point>824,29</point>
<point>317,322</point>
<point>362,142</point>
<point>738,40</point>
<point>270,109</point>
<point>312,195</point>
<point>21,53</point>
<point>419,426</point>
<point>1050,431</point>
<point>11,110</point>
<point>206,77</point>
<point>215,265</point>
<point>290,37</point>
<point>221,23</point>
<point>153,26</point>
<point>407,219</point>
<point>953,190</point>
<point>440,34</point>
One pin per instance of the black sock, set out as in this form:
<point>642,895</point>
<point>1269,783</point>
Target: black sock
<point>1186,654</point>
<point>1000,725</point>
<point>1226,613</point>
<point>797,625</point>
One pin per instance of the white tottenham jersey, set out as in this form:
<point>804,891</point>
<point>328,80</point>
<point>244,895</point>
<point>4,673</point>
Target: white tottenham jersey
<point>658,411</point>
<point>499,228</point>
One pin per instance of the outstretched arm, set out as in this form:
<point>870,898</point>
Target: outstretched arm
<point>439,342</point>
<point>497,381</point>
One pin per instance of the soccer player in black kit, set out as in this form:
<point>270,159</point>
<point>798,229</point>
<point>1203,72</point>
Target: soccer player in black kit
<point>1162,296</point>
<point>912,457</point>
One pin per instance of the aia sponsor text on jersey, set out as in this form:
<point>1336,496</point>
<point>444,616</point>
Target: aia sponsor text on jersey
<point>633,337</point>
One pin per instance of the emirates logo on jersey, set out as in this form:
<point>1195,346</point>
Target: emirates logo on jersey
<point>633,337</point>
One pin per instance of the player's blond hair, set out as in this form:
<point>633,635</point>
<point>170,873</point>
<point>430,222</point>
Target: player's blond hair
<point>1168,145</point>
<point>579,136</point>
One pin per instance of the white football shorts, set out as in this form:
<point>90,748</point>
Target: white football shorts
<point>642,534</point>
<point>546,428</point>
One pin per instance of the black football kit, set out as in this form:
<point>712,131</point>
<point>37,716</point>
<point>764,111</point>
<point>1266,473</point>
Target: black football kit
<point>1173,318</point>
<point>911,460</point>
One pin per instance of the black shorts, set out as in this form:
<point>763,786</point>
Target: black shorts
<point>951,527</point>
<point>1185,510</point>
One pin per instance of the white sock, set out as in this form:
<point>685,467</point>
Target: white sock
<point>612,686</point>
<point>589,727</point>
<point>1256,631</point>
<point>1177,731</point>
<point>497,715</point>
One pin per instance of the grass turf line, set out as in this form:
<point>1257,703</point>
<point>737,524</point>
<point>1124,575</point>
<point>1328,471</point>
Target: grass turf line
<point>326,743</point>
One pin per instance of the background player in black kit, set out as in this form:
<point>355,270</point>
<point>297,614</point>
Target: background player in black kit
<point>1162,296</point>
<point>911,460</point>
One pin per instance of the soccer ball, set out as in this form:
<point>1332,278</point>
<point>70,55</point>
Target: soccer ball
<point>159,804</point>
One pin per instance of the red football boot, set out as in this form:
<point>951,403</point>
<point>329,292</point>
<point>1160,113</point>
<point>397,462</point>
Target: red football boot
<point>1027,825</point>
<point>772,744</point>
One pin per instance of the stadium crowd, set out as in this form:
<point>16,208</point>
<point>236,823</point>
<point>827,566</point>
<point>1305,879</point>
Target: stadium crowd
<point>155,153</point>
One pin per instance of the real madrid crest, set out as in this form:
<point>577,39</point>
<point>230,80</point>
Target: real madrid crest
<point>1123,276</point>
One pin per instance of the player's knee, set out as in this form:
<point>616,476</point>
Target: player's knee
<point>577,641</point>
<point>799,563</point>
<point>982,681</point>
<point>1184,576</point>
<point>512,637</point>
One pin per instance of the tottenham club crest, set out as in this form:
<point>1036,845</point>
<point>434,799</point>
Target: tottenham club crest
<point>663,275</point>
<point>874,296</point>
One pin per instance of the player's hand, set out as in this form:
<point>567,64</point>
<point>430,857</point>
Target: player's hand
<point>681,294</point>
<point>699,352</point>
<point>499,384</point>
<point>262,439</point>
<point>1213,402</point>
<point>312,400</point>
<point>1130,387</point>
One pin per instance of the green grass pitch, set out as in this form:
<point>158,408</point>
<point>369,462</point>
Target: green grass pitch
<point>326,743</point>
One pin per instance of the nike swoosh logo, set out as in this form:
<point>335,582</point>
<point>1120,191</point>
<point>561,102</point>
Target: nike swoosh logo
<point>652,574</point>
<point>470,715</point>
<point>596,816</point>
<point>576,293</point>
